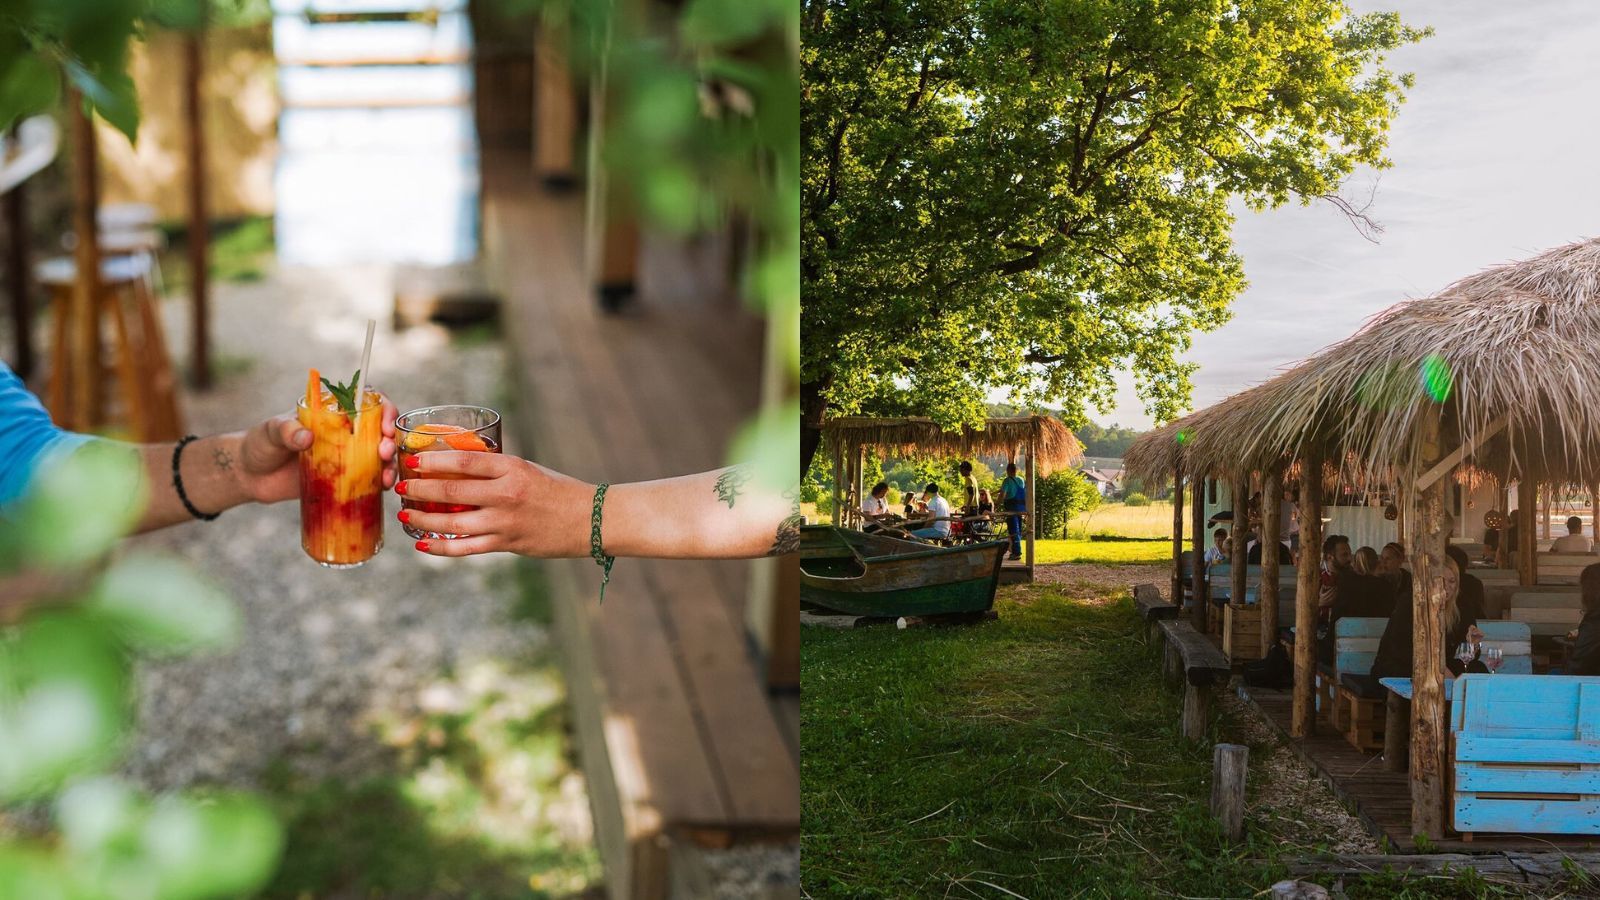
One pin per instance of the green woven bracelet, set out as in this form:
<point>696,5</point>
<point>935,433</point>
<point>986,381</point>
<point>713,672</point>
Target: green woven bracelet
<point>595,550</point>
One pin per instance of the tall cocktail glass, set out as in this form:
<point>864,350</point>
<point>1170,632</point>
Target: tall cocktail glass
<point>341,478</point>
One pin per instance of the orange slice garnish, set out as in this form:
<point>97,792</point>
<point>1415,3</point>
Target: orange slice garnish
<point>466,440</point>
<point>421,437</point>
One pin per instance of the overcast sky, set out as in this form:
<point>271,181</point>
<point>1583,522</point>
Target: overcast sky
<point>1496,156</point>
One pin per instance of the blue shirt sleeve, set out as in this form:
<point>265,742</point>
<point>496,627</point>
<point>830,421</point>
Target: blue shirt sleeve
<point>30,437</point>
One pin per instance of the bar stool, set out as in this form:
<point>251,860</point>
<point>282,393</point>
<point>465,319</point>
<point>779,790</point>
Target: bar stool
<point>139,362</point>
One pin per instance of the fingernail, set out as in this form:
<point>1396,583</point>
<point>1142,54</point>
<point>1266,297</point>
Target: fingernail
<point>302,438</point>
<point>400,487</point>
<point>422,546</point>
<point>414,462</point>
<point>405,517</point>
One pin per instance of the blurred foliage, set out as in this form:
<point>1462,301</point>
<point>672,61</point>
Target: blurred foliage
<point>1043,194</point>
<point>86,43</point>
<point>74,615</point>
<point>1058,497</point>
<point>703,128</point>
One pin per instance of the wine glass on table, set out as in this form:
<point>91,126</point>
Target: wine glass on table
<point>1465,653</point>
<point>1493,657</point>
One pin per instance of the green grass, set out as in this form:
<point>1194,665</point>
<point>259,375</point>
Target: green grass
<point>1113,553</point>
<point>466,808</point>
<point>1036,756</point>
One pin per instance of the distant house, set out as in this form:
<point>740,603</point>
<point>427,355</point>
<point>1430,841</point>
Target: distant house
<point>1104,472</point>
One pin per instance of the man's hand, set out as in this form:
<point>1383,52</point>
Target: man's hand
<point>266,465</point>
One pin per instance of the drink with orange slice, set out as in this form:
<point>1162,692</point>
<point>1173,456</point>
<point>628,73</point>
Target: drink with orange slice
<point>434,428</point>
<point>341,476</point>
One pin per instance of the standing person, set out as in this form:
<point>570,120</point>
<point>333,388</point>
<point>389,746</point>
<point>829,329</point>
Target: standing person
<point>969,484</point>
<point>939,507</point>
<point>1014,499</point>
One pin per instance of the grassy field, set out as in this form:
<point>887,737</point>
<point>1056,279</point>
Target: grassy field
<point>1119,519</point>
<point>1036,756</point>
<point>1113,553</point>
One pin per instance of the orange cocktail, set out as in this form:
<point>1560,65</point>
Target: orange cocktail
<point>341,476</point>
<point>434,428</point>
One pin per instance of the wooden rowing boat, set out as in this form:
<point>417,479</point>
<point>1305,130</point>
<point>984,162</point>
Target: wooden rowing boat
<point>877,575</point>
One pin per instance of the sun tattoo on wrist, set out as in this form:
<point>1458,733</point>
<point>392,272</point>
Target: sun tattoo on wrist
<point>730,482</point>
<point>787,540</point>
<point>222,458</point>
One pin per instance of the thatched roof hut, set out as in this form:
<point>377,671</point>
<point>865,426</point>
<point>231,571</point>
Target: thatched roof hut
<point>1514,344</point>
<point>1055,446</point>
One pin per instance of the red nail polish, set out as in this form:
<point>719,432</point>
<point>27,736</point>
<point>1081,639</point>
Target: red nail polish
<point>414,461</point>
<point>400,488</point>
<point>405,517</point>
<point>422,546</point>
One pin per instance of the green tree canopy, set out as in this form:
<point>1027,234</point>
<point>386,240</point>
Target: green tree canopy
<point>1034,196</point>
<point>1102,441</point>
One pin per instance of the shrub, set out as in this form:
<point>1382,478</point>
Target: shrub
<point>1136,499</point>
<point>1058,497</point>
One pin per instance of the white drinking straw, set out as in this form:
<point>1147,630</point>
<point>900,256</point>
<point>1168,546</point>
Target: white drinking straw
<point>361,373</point>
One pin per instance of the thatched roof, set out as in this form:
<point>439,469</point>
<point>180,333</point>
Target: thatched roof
<point>1057,447</point>
<point>1520,341</point>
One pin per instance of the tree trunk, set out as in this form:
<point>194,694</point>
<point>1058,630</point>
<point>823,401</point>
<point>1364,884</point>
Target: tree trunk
<point>1271,534</point>
<point>1308,584</point>
<point>1426,542</point>
<point>813,408</point>
<point>84,377</point>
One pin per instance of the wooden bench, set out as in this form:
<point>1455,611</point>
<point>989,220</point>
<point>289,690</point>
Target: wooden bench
<point>1151,607</point>
<point>1355,646</point>
<point>1200,666</point>
<point>1219,579</point>
<point>1564,568</point>
<point>1547,611</point>
<point>1526,754</point>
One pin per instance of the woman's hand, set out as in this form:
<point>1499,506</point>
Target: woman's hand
<point>1474,635</point>
<point>523,507</point>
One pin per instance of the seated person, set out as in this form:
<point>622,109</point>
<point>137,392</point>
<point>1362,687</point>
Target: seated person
<point>1573,541</point>
<point>911,504</point>
<point>1356,594</point>
<point>986,511</point>
<point>875,507</point>
<point>1585,659</point>
<point>1252,555</point>
<point>1366,561</point>
<point>939,509</point>
<point>1218,552</point>
<point>1393,659</point>
<point>1472,596</point>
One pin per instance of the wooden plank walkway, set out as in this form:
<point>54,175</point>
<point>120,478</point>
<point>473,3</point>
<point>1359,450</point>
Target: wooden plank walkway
<point>1381,798</point>
<point>678,735</point>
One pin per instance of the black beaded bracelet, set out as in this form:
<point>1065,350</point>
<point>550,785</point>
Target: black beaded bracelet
<point>595,550</point>
<point>177,481</point>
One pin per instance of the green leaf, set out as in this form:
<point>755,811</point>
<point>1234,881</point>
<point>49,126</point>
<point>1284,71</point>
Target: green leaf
<point>109,93</point>
<point>345,393</point>
<point>224,845</point>
<point>28,86</point>
<point>771,445</point>
<point>81,504</point>
<point>717,22</point>
<point>162,606</point>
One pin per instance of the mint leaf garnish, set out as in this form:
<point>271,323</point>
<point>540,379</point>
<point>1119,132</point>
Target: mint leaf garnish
<point>345,393</point>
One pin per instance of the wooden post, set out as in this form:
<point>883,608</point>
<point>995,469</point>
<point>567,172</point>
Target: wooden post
<point>857,492</point>
<point>1396,733</point>
<point>199,218</point>
<point>1177,534</point>
<point>18,273</point>
<point>1239,574</point>
<point>555,117</point>
<point>1545,496</point>
<point>1196,709</point>
<point>1230,765</point>
<point>1527,551</point>
<point>84,375</point>
<point>1426,543</point>
<point>1308,584</point>
<point>838,481</point>
<point>1197,540</point>
<point>1033,519</point>
<point>1271,535</point>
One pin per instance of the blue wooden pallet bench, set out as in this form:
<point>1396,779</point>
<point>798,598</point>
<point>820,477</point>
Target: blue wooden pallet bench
<point>1355,646</point>
<point>1526,754</point>
<point>1219,582</point>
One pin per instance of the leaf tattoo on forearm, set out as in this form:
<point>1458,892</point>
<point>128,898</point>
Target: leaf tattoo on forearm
<point>730,482</point>
<point>787,539</point>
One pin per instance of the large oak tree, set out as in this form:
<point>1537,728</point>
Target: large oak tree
<point>1035,194</point>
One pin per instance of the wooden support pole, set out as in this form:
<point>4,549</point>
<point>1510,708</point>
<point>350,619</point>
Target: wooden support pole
<point>555,114</point>
<point>838,481</point>
<point>18,273</point>
<point>1033,518</point>
<point>1177,535</point>
<point>84,375</point>
<point>1271,537</point>
<point>1240,572</point>
<point>199,217</point>
<point>1230,764</point>
<point>1308,584</point>
<point>1396,733</point>
<point>1197,542</point>
<point>1527,545</point>
<point>1426,543</point>
<point>1546,495</point>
